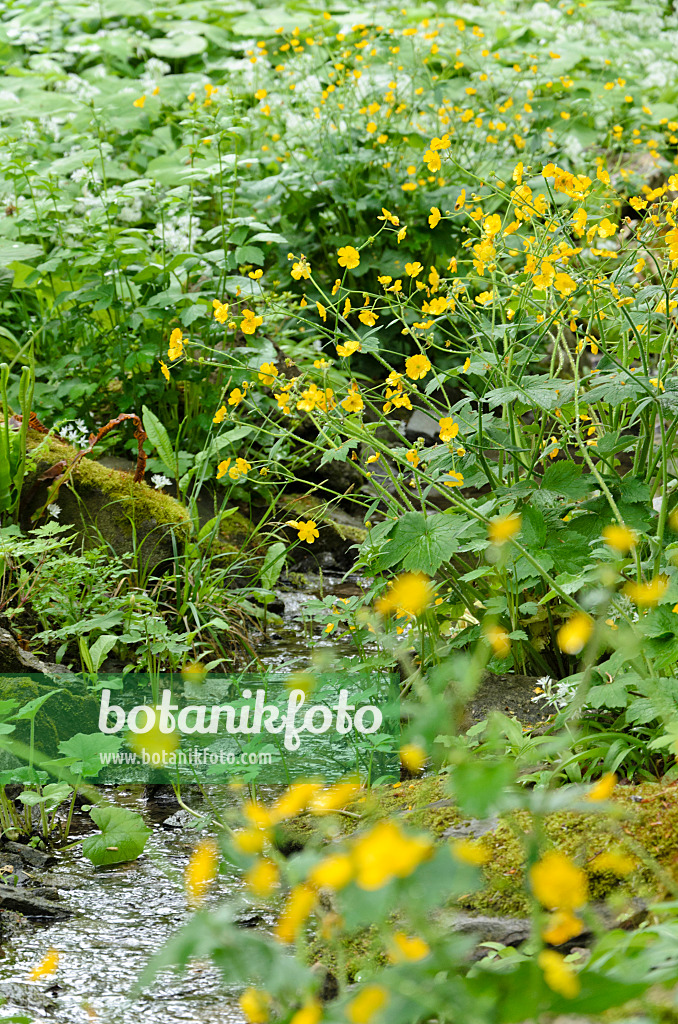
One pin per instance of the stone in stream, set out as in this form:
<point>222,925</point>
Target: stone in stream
<point>22,901</point>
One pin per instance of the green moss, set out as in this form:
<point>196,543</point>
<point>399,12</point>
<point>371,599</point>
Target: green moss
<point>235,532</point>
<point>135,499</point>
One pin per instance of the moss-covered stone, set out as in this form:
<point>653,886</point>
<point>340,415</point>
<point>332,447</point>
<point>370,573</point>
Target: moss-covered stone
<point>104,505</point>
<point>54,721</point>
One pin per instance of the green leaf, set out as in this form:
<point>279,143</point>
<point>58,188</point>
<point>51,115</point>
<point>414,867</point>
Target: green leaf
<point>159,437</point>
<point>123,836</point>
<point>566,480</point>
<point>177,46</point>
<point>273,565</point>
<point>422,543</point>
<point>86,748</point>
<point>100,649</point>
<point>30,710</point>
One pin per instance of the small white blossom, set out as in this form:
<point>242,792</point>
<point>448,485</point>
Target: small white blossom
<point>54,510</point>
<point>159,480</point>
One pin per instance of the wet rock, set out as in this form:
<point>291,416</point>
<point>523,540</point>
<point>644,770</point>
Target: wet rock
<point>27,854</point>
<point>249,919</point>
<point>13,657</point>
<point>420,424</point>
<point>22,901</point>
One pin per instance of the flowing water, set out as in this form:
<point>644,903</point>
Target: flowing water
<point>124,913</point>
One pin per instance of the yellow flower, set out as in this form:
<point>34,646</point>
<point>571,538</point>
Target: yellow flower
<point>385,853</point>
<point>413,457</point>
<point>201,871</point>
<point>334,872</point>
<point>404,948</point>
<point>368,317</point>
<point>311,1013</point>
<point>236,397</point>
<point>267,374</point>
<point>222,468</point>
<point>219,415</point>
<point>322,312</point>
<point>575,634</point>
<point>558,975</point>
<point>254,1004</point>
<point>262,878</point>
<point>416,367</point>
<point>165,371</point>
<point>606,228</point>
<point>498,640</point>
<point>176,344</point>
<point>620,537</point>
<point>139,102</point>
<point>603,788</point>
<point>502,529</point>
<point>562,925</point>
<point>456,479</point>
<point>409,594</point>
<point>469,852</point>
<point>299,905</point>
<point>250,321</point>
<point>413,757</point>
<point>612,860</point>
<point>647,595</point>
<point>564,284</point>
<point>241,468</point>
<point>347,348</point>
<point>367,1004</point>
<point>301,269</point>
<point>349,257</point>
<point>485,297</point>
<point>220,311</point>
<point>434,217</point>
<point>448,429</point>
<point>413,269</point>
<point>558,883</point>
<point>47,965</point>
<point>353,402</point>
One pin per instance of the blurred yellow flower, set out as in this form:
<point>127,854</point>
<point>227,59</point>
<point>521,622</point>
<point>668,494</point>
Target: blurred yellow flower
<point>364,1007</point>
<point>385,853</point>
<point>557,883</point>
<point>334,872</point>
<point>612,860</point>
<point>405,948</point>
<point>619,537</point>
<point>47,965</point>
<point>647,595</point>
<point>558,974</point>
<point>499,640</point>
<point>470,852</point>
<point>254,1004</point>
<point>561,926</point>
<point>299,905</point>
<point>408,594</point>
<point>263,877</point>
<point>575,633</point>
<point>603,789</point>
<point>311,1013</point>
<point>200,872</point>
<point>413,757</point>
<point>502,529</point>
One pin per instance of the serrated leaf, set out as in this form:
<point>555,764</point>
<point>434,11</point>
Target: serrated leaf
<point>422,543</point>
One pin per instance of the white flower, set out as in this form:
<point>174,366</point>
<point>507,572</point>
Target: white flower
<point>159,480</point>
<point>54,510</point>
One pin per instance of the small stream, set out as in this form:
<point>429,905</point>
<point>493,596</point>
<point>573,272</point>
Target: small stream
<point>123,914</point>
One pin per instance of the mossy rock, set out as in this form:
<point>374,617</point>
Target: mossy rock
<point>105,505</point>
<point>54,721</point>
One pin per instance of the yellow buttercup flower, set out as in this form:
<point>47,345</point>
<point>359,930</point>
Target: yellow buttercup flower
<point>413,757</point>
<point>558,974</point>
<point>220,311</point>
<point>416,367</point>
<point>434,217</point>
<point>201,871</point>
<point>263,877</point>
<point>502,529</point>
<point>562,925</point>
<point>365,1006</point>
<point>558,883</point>
<point>165,371</point>
<point>386,853</point>
<point>254,1003</point>
<point>603,788</point>
<point>621,538</point>
<point>47,965</point>
<point>250,321</point>
<point>353,402</point>
<point>349,257</point>
<point>405,948</point>
<point>308,531</point>
<point>448,429</point>
<point>347,348</point>
<point>176,344</point>
<point>409,594</point>
<point>267,374</point>
<point>647,595</point>
<point>575,633</point>
<point>219,415</point>
<point>334,872</point>
<point>299,905</point>
<point>413,269</point>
